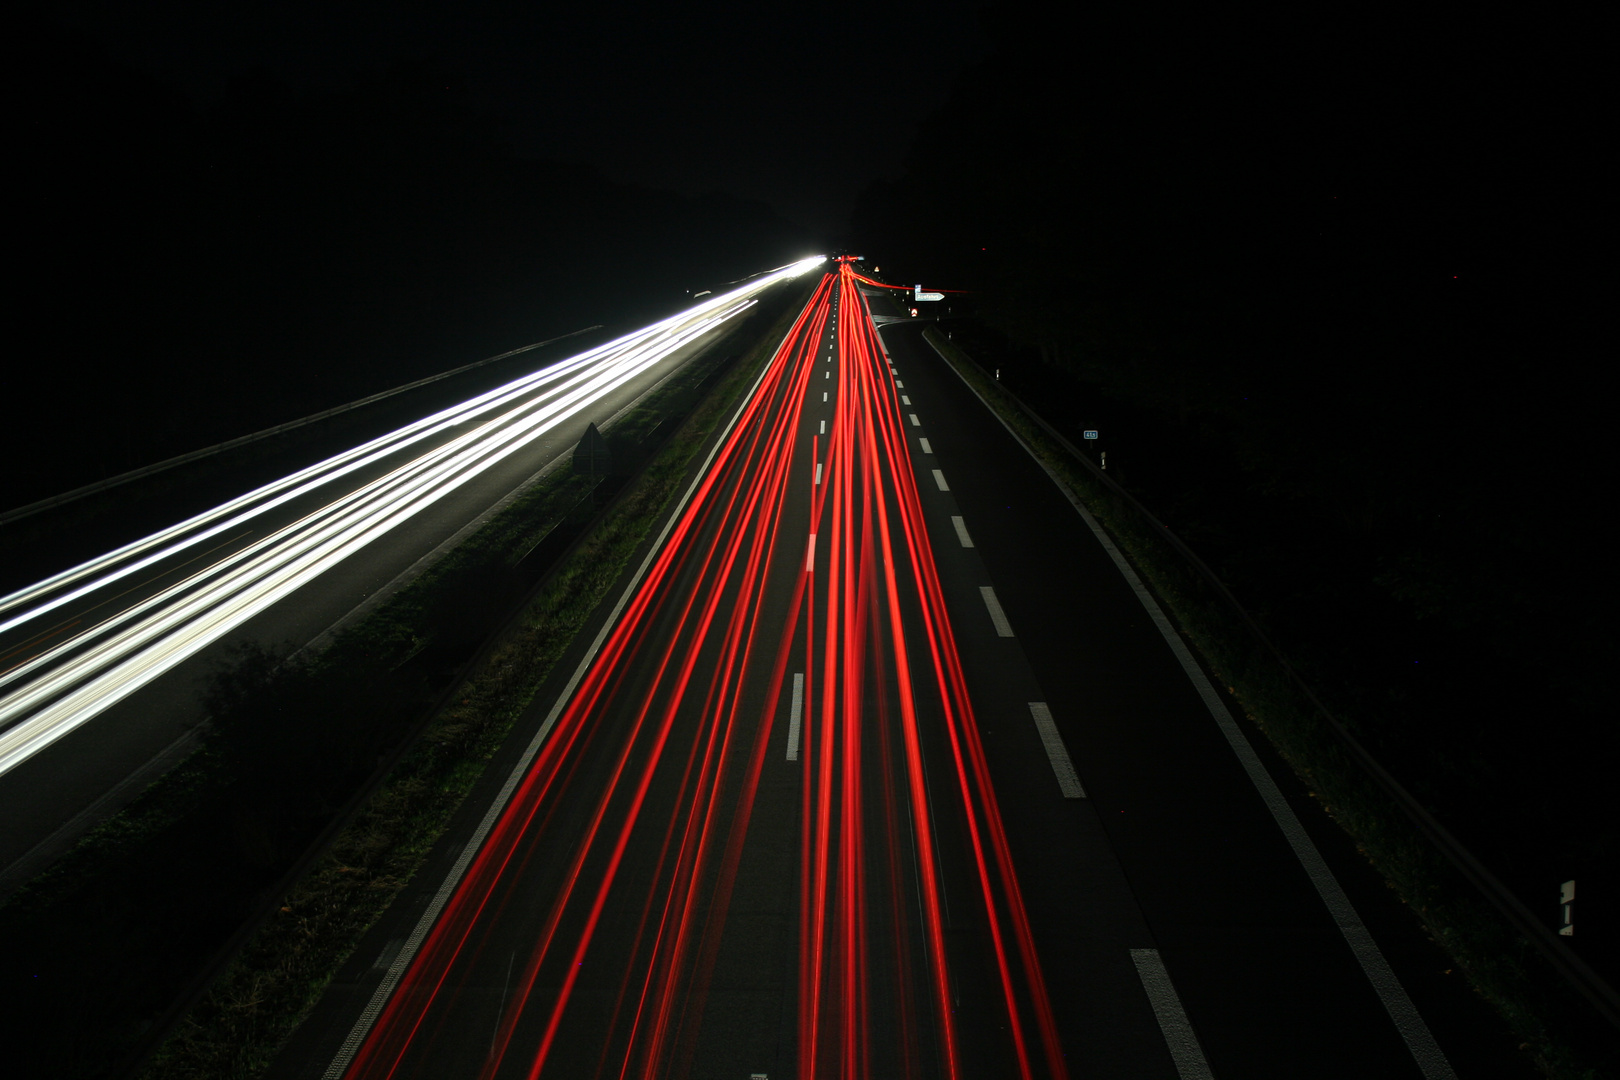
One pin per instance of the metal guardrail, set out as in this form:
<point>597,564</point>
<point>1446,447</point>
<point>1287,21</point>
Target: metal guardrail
<point>1575,971</point>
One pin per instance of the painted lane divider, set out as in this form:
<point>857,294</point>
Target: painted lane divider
<point>793,716</point>
<point>939,478</point>
<point>824,427</point>
<point>1178,1033</point>
<point>914,421</point>
<point>824,395</point>
<point>961,531</point>
<point>1056,752</point>
<point>904,400</point>
<point>997,616</point>
<point>900,386</point>
<point>818,475</point>
<point>926,448</point>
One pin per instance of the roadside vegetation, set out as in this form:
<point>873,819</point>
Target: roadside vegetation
<point>1552,1023</point>
<point>213,910</point>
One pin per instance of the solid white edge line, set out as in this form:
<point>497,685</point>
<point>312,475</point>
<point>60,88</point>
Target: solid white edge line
<point>794,715</point>
<point>939,478</point>
<point>961,531</point>
<point>1056,752</point>
<point>997,616</point>
<point>1179,1037</point>
<point>1431,1060</point>
<point>396,970</point>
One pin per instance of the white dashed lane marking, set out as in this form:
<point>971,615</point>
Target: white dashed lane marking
<point>961,531</point>
<point>1178,1033</point>
<point>1056,752</point>
<point>793,716</point>
<point>997,616</point>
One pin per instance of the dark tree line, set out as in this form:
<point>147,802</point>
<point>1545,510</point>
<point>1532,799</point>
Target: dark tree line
<point>1333,286</point>
<point>195,271</point>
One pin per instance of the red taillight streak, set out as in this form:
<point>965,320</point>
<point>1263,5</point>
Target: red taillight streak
<point>953,686</point>
<point>658,994</point>
<point>922,820</point>
<point>444,942</point>
<point>739,642</point>
<point>922,563</point>
<point>739,829</point>
<point>820,739</point>
<point>865,439</point>
<point>752,495</point>
<point>843,607</point>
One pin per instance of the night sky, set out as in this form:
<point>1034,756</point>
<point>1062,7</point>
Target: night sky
<point>796,105</point>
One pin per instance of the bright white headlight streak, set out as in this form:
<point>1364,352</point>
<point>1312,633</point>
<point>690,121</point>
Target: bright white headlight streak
<point>432,473</point>
<point>135,646</point>
<point>314,476</point>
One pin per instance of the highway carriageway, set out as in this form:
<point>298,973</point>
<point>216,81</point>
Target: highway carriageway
<point>880,761</point>
<point>100,663</point>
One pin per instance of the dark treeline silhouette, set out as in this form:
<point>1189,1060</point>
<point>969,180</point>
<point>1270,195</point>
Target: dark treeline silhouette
<point>193,272</point>
<point>1329,285</point>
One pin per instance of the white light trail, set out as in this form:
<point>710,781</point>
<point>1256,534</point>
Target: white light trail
<point>56,691</point>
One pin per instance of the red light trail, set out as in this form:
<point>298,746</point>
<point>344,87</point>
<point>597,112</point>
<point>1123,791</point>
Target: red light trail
<point>902,288</point>
<point>619,854</point>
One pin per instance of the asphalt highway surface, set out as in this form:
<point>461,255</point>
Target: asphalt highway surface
<point>883,762</point>
<point>100,663</point>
